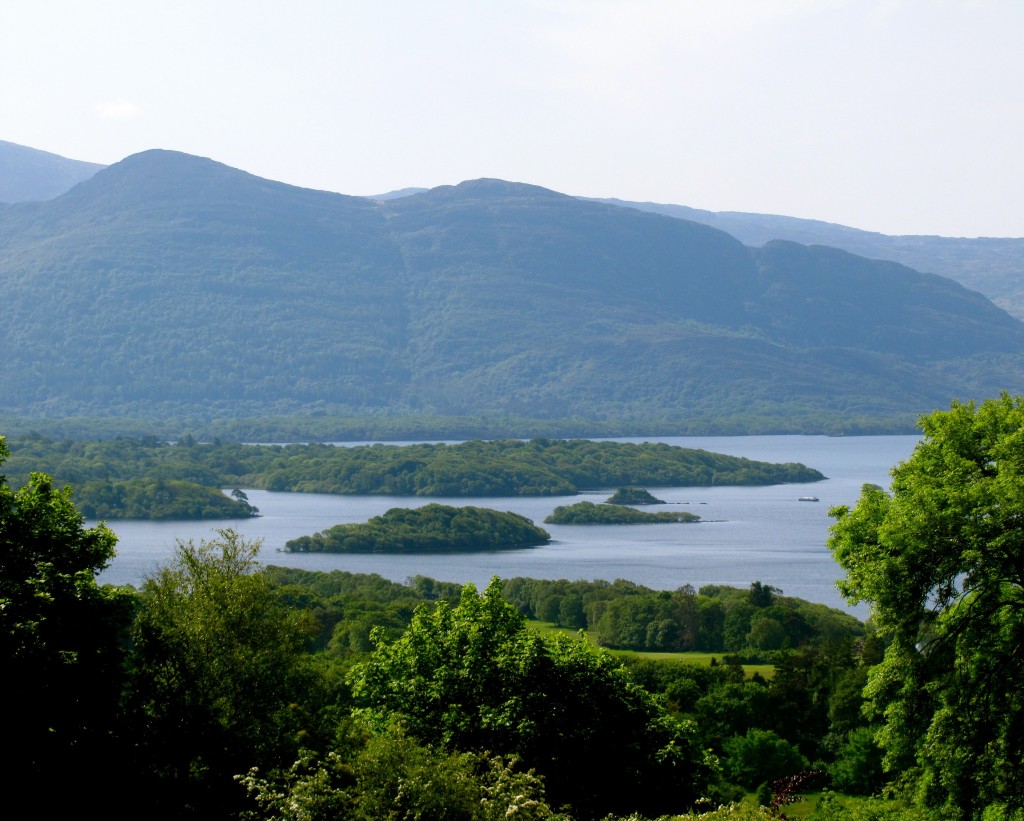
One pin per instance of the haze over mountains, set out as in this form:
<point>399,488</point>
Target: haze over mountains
<point>168,285</point>
<point>992,265</point>
<point>27,174</point>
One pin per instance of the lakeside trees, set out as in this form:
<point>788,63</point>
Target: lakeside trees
<point>941,562</point>
<point>146,478</point>
<point>628,616</point>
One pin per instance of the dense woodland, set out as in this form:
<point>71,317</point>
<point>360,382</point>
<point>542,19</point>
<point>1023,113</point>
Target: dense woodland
<point>146,478</point>
<point>405,427</point>
<point>223,689</point>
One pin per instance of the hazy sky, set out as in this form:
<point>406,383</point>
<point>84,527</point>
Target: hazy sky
<point>902,116</point>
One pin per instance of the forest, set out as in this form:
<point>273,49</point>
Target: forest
<point>221,688</point>
<point>149,479</point>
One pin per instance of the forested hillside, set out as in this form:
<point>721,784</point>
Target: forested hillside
<point>993,266</point>
<point>173,286</point>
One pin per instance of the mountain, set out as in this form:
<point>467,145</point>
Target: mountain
<point>992,265</point>
<point>171,285</point>
<point>401,192</point>
<point>27,174</point>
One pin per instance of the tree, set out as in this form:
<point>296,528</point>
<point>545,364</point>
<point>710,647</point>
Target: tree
<point>762,595</point>
<point>760,755</point>
<point>219,670</point>
<point>474,678</point>
<point>60,642</point>
<point>940,559</point>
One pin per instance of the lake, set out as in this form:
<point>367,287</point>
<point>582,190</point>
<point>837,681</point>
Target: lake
<point>746,534</point>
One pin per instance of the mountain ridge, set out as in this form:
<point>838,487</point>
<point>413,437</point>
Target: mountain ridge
<point>28,174</point>
<point>170,285</point>
<point>993,266</point>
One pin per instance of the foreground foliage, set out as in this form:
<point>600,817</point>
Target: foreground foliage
<point>60,641</point>
<point>473,677</point>
<point>939,560</point>
<point>395,777</point>
<point>219,667</point>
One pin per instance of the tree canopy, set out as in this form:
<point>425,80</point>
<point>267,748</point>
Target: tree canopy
<point>473,677</point>
<point>940,559</point>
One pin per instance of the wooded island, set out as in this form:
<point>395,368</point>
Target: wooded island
<point>587,513</point>
<point>147,479</point>
<point>430,529</point>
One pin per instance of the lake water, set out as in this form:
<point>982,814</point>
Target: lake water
<point>746,534</point>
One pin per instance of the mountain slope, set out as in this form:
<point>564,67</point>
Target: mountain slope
<point>27,174</point>
<point>993,266</point>
<point>174,285</point>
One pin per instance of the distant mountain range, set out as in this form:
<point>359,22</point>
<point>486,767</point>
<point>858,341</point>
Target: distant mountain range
<point>994,266</point>
<point>28,175</point>
<point>171,285</point>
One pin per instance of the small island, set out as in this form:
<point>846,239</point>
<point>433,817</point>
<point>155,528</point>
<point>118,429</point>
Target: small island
<point>160,500</point>
<point>433,528</point>
<point>587,513</point>
<point>633,496</point>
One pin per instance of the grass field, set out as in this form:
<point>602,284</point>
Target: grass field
<point>546,628</point>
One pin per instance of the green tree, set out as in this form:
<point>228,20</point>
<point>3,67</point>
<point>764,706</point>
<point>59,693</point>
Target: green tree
<point>858,765</point>
<point>939,559</point>
<point>762,595</point>
<point>60,642</point>
<point>475,678</point>
<point>219,670</point>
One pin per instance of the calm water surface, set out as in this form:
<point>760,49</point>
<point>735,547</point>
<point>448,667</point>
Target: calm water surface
<point>746,534</point>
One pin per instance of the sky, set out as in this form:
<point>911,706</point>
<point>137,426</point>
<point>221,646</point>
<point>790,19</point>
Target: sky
<point>899,116</point>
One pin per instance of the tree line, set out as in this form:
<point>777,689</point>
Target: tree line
<point>147,478</point>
